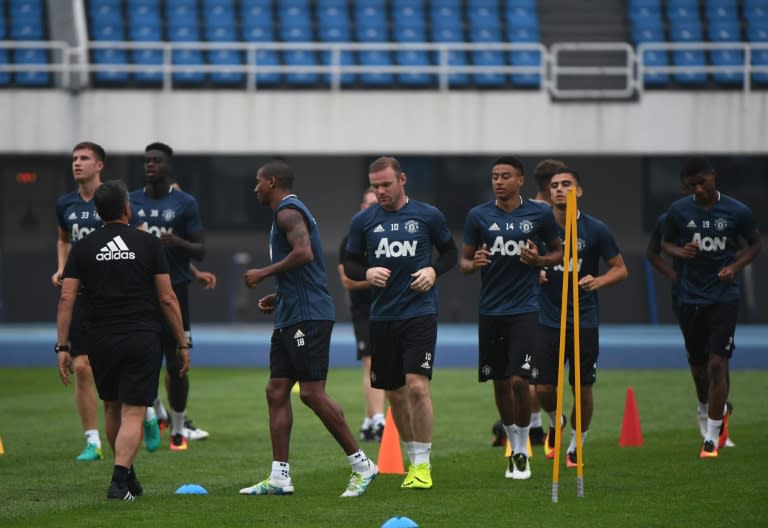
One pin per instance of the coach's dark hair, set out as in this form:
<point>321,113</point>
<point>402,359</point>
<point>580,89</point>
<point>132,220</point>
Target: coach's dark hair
<point>694,166</point>
<point>544,171</point>
<point>110,199</point>
<point>280,171</point>
<point>567,170</point>
<point>97,149</point>
<point>510,160</point>
<point>162,147</point>
<point>383,162</point>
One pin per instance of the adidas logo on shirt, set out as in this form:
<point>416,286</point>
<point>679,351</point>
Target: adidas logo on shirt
<point>116,249</point>
<point>298,334</point>
<point>378,229</point>
<point>494,227</point>
<point>72,216</point>
<point>141,213</point>
<point>691,224</point>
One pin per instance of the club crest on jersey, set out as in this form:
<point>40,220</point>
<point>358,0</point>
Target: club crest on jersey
<point>721,224</point>
<point>526,226</point>
<point>411,226</point>
<point>581,244</point>
<point>169,215</point>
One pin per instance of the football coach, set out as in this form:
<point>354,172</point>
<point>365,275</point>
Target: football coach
<point>124,276</point>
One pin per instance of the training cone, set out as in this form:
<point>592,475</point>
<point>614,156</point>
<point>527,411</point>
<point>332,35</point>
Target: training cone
<point>631,434</point>
<point>390,456</point>
<point>2,449</point>
<point>508,449</point>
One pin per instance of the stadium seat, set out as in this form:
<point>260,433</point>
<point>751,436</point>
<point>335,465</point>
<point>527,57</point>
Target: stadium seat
<point>331,15</point>
<point>104,11</point>
<point>143,12</point>
<point>27,27</point>
<point>188,57</point>
<point>415,58</point>
<point>223,57</point>
<point>265,57</point>
<point>760,58</point>
<point>110,56</point>
<point>688,32</point>
<point>375,58</point>
<point>488,58</point>
<point>655,58</point>
<point>523,34</point>
<point>521,17</point>
<point>648,34</point>
<point>181,13</point>
<point>300,58</point>
<point>5,77</point>
<point>108,31</point>
<point>726,31</point>
<point>446,16</point>
<point>31,56</point>
<point>256,12</point>
<point>22,8</point>
<point>152,58</point>
<point>485,14</point>
<point>148,32</point>
<point>525,58</point>
<point>337,33</point>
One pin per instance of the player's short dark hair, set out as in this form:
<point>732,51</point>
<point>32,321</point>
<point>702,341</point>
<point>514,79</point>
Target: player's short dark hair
<point>280,171</point>
<point>162,147</point>
<point>110,199</point>
<point>694,166</point>
<point>567,170</point>
<point>510,160</point>
<point>383,162</point>
<point>97,149</point>
<point>544,171</point>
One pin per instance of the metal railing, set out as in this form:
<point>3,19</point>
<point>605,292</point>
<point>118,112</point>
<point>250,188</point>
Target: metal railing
<point>74,66</point>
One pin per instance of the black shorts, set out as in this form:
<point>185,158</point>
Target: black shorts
<point>300,352</point>
<point>402,347</point>
<point>168,338</point>
<point>548,353</point>
<point>708,329</point>
<point>126,367</point>
<point>78,327</point>
<point>507,345</point>
<point>361,322</point>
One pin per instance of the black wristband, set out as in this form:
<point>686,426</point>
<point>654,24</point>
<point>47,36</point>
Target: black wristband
<point>61,348</point>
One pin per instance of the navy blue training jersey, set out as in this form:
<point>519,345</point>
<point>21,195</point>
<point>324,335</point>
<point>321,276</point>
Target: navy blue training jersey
<point>717,231</point>
<point>594,242</point>
<point>508,286</point>
<point>117,265</point>
<point>359,300</point>
<point>302,293</point>
<point>401,241</point>
<point>76,216</point>
<point>177,213</point>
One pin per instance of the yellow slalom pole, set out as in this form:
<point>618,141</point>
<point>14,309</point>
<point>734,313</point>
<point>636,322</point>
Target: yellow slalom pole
<point>576,348</point>
<point>561,354</point>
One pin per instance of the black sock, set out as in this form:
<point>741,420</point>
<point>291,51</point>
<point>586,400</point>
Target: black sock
<point>120,474</point>
<point>132,472</point>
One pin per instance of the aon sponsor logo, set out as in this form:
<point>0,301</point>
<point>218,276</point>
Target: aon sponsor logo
<point>708,243</point>
<point>510,248</point>
<point>406,248</point>
<point>79,233</point>
<point>157,230</point>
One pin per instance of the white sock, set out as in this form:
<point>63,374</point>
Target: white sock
<point>421,451</point>
<point>92,437</point>
<point>281,471</point>
<point>162,414</point>
<point>359,462</point>
<point>536,419</point>
<point>572,445</point>
<point>701,408</point>
<point>410,448</point>
<point>713,430</point>
<point>366,423</point>
<point>378,419</point>
<point>552,418</point>
<point>521,440</point>
<point>177,422</point>
<point>149,414</point>
<point>511,433</point>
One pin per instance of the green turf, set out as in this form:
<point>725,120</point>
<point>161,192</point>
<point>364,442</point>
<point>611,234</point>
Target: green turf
<point>662,483</point>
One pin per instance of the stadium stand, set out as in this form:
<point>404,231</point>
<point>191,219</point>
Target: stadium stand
<point>26,23</point>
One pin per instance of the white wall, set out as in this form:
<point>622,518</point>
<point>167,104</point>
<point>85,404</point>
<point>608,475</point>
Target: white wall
<point>375,122</point>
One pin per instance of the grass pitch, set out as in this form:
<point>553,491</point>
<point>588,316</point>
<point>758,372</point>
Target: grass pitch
<point>662,483</point>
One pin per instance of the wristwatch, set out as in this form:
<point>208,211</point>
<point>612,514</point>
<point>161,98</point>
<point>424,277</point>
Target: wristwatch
<point>61,348</point>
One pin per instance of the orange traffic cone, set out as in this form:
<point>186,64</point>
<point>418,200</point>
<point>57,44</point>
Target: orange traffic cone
<point>390,456</point>
<point>631,434</point>
<point>508,449</point>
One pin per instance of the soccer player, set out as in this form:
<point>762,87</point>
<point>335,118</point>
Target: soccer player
<point>127,287</point>
<point>397,237</point>
<point>300,345</point>
<point>372,428</point>
<point>77,217</point>
<point>174,217</point>
<point>703,231</point>
<point>501,239</point>
<point>595,242</point>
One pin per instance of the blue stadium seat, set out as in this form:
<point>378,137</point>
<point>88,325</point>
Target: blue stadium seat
<point>338,4</point>
<point>646,16</point>
<point>300,58</point>
<point>147,32</point>
<point>267,58</point>
<point>255,32</point>
<point>144,12</point>
<point>104,11</point>
<point>375,58</point>
<point>683,11</point>
<point>488,58</point>
<point>27,27</point>
<point>757,33</point>
<point>760,58</point>
<point>727,4</point>
<point>361,4</point>
<point>22,8</point>
<point>31,56</point>
<point>339,33</point>
<point>446,16</point>
<point>412,31</point>
<point>332,15</point>
<point>688,32</point>
<point>181,13</point>
<point>413,58</point>
<point>648,34</point>
<point>152,58</point>
<point>404,11</point>
<point>523,34</point>
<point>716,13</point>
<point>295,33</point>
<point>447,34</point>
<point>108,32</point>
<point>226,57</point>
<point>256,12</point>
<point>525,58</point>
<point>188,57</point>
<point>756,14</point>
<point>370,15</point>
<point>103,57</point>
<point>484,15</point>
<point>521,17</point>
<point>184,32</point>
<point>656,58</point>
<point>5,77</point>
<point>375,33</point>
<point>726,31</point>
